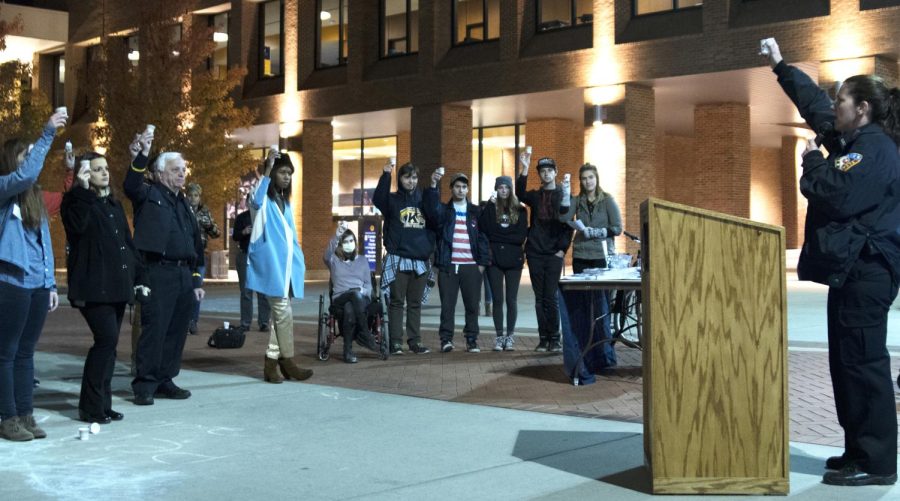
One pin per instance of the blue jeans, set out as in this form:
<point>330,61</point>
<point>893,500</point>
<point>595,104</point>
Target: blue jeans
<point>22,315</point>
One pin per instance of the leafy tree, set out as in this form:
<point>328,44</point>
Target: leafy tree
<point>23,110</point>
<point>169,87</point>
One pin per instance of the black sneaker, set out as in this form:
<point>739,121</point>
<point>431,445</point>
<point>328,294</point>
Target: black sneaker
<point>396,350</point>
<point>446,345</point>
<point>172,392</point>
<point>472,346</point>
<point>263,327</point>
<point>419,349</point>
<point>143,399</point>
<point>555,347</point>
<point>543,345</point>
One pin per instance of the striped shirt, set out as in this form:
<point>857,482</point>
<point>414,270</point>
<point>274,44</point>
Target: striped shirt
<point>462,248</point>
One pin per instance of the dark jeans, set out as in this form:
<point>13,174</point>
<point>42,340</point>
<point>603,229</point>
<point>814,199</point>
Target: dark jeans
<point>466,279</point>
<point>104,320</point>
<point>408,288</point>
<point>164,324</point>
<point>861,367</point>
<point>505,283</point>
<point>22,315</point>
<point>354,316</point>
<point>262,304</point>
<point>545,272</point>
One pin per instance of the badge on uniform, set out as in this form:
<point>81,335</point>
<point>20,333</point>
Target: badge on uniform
<point>847,161</point>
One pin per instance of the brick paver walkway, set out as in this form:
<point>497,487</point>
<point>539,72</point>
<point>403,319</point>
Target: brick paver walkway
<point>520,380</point>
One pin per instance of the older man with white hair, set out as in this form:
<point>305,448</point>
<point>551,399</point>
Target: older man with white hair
<point>167,235</point>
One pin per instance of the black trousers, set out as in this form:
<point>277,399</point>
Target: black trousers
<point>861,367</point>
<point>545,272</point>
<point>104,320</point>
<point>164,325</point>
<point>467,279</point>
<point>354,318</point>
<point>505,286</point>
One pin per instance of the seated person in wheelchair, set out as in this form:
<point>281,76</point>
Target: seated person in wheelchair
<point>351,290</point>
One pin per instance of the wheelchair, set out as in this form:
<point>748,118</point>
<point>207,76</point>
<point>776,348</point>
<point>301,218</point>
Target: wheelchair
<point>329,324</point>
<point>627,318</point>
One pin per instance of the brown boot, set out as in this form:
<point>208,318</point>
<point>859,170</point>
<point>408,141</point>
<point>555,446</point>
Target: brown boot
<point>291,370</point>
<point>270,371</point>
<point>31,425</point>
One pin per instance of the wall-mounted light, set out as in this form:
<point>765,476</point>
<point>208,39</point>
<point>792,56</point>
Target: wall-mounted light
<point>324,15</point>
<point>220,37</point>
<point>134,55</point>
<point>598,115</point>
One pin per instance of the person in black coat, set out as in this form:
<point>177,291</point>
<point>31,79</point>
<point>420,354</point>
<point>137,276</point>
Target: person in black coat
<point>102,263</point>
<point>505,223</point>
<point>852,245</point>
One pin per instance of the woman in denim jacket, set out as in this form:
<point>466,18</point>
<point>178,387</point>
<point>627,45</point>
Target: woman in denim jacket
<point>27,284</point>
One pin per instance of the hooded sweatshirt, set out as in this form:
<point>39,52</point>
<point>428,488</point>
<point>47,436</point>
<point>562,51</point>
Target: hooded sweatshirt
<point>406,233</point>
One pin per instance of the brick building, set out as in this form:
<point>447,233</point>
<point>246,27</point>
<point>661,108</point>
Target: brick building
<point>668,97</point>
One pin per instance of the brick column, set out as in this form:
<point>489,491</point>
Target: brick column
<point>312,212</point>
<point>793,205</point>
<point>404,147</point>
<point>557,138</point>
<point>640,157</point>
<point>441,135</point>
<point>722,169</point>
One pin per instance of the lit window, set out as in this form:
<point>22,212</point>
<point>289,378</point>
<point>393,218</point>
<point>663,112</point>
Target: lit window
<point>218,61</point>
<point>555,14</point>
<point>399,27</point>
<point>358,164</point>
<point>332,33</point>
<point>271,41</point>
<point>475,21</point>
<point>651,6</point>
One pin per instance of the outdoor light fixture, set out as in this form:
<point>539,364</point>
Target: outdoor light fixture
<point>134,55</point>
<point>598,115</point>
<point>324,15</point>
<point>220,37</point>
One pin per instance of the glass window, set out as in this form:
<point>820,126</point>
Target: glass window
<point>133,49</point>
<point>358,164</point>
<point>399,27</point>
<point>555,14</point>
<point>59,80</point>
<point>332,33</point>
<point>651,6</point>
<point>271,42</point>
<point>218,61</point>
<point>476,20</point>
<point>494,154</point>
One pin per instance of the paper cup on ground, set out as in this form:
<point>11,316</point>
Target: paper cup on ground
<point>84,433</point>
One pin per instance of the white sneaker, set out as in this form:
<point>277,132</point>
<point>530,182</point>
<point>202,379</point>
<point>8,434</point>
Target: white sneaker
<point>509,343</point>
<point>499,343</point>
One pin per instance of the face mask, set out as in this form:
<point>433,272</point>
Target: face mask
<point>348,247</point>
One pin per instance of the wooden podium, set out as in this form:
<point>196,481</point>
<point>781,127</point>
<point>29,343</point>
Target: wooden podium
<point>715,352</point>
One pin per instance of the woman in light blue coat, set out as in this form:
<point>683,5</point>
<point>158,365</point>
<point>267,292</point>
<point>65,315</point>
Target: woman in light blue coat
<point>275,265</point>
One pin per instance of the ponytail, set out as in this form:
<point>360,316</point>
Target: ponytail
<point>892,116</point>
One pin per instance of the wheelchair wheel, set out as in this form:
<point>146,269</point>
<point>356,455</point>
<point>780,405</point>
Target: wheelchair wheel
<point>322,347</point>
<point>628,318</point>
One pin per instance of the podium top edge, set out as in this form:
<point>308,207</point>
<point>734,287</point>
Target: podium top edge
<point>660,203</point>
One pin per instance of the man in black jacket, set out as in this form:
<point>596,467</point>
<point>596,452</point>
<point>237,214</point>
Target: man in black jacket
<point>243,226</point>
<point>409,244</point>
<point>461,255</point>
<point>167,235</point>
<point>548,240</point>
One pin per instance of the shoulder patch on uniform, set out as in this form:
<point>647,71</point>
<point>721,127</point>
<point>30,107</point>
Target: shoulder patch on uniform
<point>848,161</point>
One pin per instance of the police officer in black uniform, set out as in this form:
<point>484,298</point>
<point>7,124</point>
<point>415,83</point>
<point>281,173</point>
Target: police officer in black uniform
<point>853,246</point>
<point>167,235</point>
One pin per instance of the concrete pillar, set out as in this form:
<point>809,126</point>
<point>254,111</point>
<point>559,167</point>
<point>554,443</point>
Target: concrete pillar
<point>441,135</point>
<point>312,212</point>
<point>721,173</point>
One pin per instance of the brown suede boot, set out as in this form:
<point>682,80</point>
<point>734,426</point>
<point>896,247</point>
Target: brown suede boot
<point>270,371</point>
<point>291,370</point>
